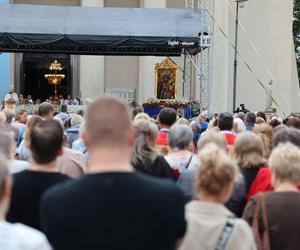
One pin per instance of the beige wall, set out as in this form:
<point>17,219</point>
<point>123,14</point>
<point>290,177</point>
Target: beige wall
<point>178,4</point>
<point>121,72</point>
<point>266,44</point>
<point>47,2</point>
<point>91,67</point>
<point>122,4</point>
<point>219,88</point>
<point>147,63</point>
<point>126,68</point>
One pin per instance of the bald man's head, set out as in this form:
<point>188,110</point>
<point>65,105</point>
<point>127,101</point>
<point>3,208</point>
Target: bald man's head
<point>107,123</point>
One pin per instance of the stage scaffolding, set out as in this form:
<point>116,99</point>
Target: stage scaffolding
<point>201,62</point>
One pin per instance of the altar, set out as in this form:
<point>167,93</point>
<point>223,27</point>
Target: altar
<point>184,112</point>
<point>166,88</point>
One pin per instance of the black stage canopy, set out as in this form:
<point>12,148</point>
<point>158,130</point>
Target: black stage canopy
<point>100,31</point>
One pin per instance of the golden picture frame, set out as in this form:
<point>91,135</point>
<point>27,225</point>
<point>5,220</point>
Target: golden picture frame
<point>166,80</point>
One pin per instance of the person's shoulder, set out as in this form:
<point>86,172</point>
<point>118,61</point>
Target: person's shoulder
<point>22,163</point>
<point>242,225</point>
<point>30,238</point>
<point>162,136</point>
<point>34,177</point>
<point>60,190</point>
<point>158,185</point>
<point>62,177</point>
<point>243,232</point>
<point>195,160</point>
<point>264,171</point>
<point>27,232</point>
<point>283,198</point>
<point>21,174</point>
<point>161,160</point>
<point>73,153</point>
<point>16,166</point>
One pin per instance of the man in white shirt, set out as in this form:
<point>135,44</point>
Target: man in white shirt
<point>16,236</point>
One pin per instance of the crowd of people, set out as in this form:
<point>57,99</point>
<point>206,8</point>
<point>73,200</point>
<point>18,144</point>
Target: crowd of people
<point>55,100</point>
<point>108,179</point>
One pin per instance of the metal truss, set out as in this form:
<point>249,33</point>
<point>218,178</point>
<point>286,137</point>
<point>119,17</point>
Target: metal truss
<point>202,62</point>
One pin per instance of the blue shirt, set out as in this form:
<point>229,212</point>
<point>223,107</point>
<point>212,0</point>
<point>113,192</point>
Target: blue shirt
<point>204,126</point>
<point>249,127</point>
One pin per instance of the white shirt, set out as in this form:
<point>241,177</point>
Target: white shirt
<point>16,166</point>
<point>23,151</point>
<point>179,161</point>
<point>20,237</point>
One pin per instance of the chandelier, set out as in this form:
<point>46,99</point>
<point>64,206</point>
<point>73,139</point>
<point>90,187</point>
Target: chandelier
<point>55,79</point>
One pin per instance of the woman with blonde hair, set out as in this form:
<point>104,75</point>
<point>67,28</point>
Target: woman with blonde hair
<point>278,219</point>
<point>212,136</point>
<point>265,132</point>
<point>141,116</point>
<point>144,157</point>
<point>210,224</point>
<point>184,121</point>
<point>248,152</point>
<point>237,200</point>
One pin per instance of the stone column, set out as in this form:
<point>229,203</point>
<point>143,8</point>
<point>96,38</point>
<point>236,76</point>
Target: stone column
<point>4,68</point>
<point>220,67</point>
<point>75,74</point>
<point>12,67</point>
<point>147,63</point>
<point>91,67</point>
<point>18,73</point>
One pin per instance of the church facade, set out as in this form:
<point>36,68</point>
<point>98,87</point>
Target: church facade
<point>266,53</point>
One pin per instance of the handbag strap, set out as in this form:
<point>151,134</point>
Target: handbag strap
<point>225,234</point>
<point>189,162</point>
<point>262,241</point>
<point>265,236</point>
<point>255,221</point>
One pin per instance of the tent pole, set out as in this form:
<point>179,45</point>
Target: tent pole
<point>191,81</point>
<point>184,73</point>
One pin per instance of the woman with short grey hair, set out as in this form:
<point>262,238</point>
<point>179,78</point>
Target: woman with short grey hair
<point>181,159</point>
<point>180,137</point>
<point>184,163</point>
<point>280,206</point>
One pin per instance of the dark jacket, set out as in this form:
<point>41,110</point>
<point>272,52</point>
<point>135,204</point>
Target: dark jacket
<point>159,168</point>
